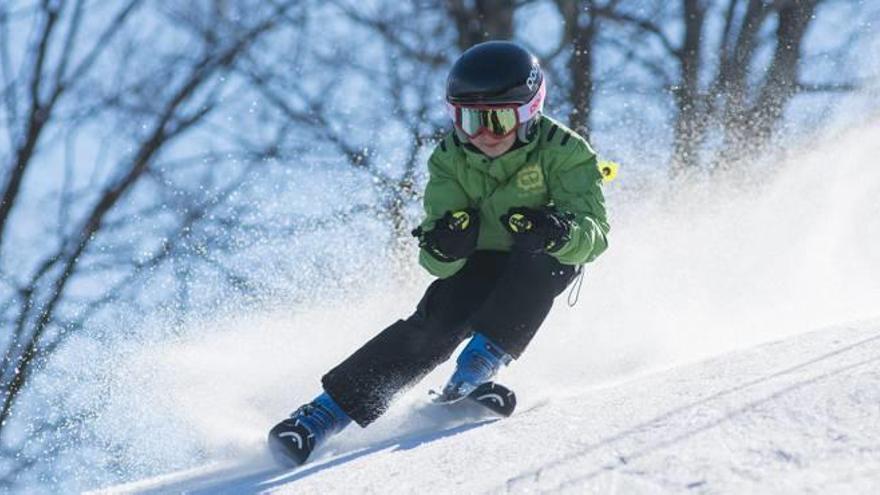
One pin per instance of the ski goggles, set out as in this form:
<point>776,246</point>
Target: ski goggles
<point>497,120</point>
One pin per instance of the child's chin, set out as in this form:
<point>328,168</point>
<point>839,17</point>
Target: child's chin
<point>492,150</point>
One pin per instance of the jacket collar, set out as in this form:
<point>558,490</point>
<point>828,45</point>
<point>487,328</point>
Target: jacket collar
<point>502,167</point>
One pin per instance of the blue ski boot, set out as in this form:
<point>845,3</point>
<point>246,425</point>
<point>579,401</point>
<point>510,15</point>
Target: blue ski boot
<point>293,440</point>
<point>478,362</point>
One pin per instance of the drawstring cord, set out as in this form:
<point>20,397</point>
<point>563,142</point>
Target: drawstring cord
<point>576,288</point>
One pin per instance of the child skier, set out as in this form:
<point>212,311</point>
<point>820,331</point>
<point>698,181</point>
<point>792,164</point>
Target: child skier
<point>513,208</point>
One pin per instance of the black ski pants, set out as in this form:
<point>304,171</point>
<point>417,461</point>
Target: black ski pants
<point>505,296</point>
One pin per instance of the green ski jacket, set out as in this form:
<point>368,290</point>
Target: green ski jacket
<point>557,168</point>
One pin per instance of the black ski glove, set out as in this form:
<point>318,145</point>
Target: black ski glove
<point>538,230</point>
<point>453,237</point>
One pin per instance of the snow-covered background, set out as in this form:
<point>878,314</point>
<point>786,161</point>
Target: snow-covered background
<point>608,399</point>
<point>268,239</point>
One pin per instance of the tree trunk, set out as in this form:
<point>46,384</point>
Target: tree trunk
<point>781,82</point>
<point>690,123</point>
<point>486,20</point>
<point>583,28</point>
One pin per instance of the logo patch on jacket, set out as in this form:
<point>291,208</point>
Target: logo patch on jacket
<point>530,178</point>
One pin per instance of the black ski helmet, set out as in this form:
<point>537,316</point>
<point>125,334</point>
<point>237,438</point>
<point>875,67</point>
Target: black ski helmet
<point>495,72</point>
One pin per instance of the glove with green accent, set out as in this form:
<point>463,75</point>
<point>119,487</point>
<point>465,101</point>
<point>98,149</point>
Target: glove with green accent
<point>453,237</point>
<point>538,230</point>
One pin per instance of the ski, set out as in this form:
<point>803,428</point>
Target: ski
<point>290,443</point>
<point>494,397</point>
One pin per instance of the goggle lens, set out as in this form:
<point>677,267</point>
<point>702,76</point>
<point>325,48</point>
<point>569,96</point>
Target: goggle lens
<point>497,121</point>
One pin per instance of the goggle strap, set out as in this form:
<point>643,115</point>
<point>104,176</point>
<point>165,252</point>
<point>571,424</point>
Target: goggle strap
<point>451,109</point>
<point>535,105</point>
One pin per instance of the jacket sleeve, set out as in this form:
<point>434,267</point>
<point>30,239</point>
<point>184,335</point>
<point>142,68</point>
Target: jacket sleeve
<point>575,185</point>
<point>443,193</point>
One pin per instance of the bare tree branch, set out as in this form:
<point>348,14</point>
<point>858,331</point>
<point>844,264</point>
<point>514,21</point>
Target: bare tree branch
<point>389,29</point>
<point>643,24</point>
<point>37,118</point>
<point>161,134</point>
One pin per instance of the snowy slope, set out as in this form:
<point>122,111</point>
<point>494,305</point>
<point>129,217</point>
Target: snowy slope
<point>800,415</point>
<point>693,275</point>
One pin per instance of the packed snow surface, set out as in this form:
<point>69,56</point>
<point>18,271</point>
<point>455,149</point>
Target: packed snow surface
<point>794,416</point>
